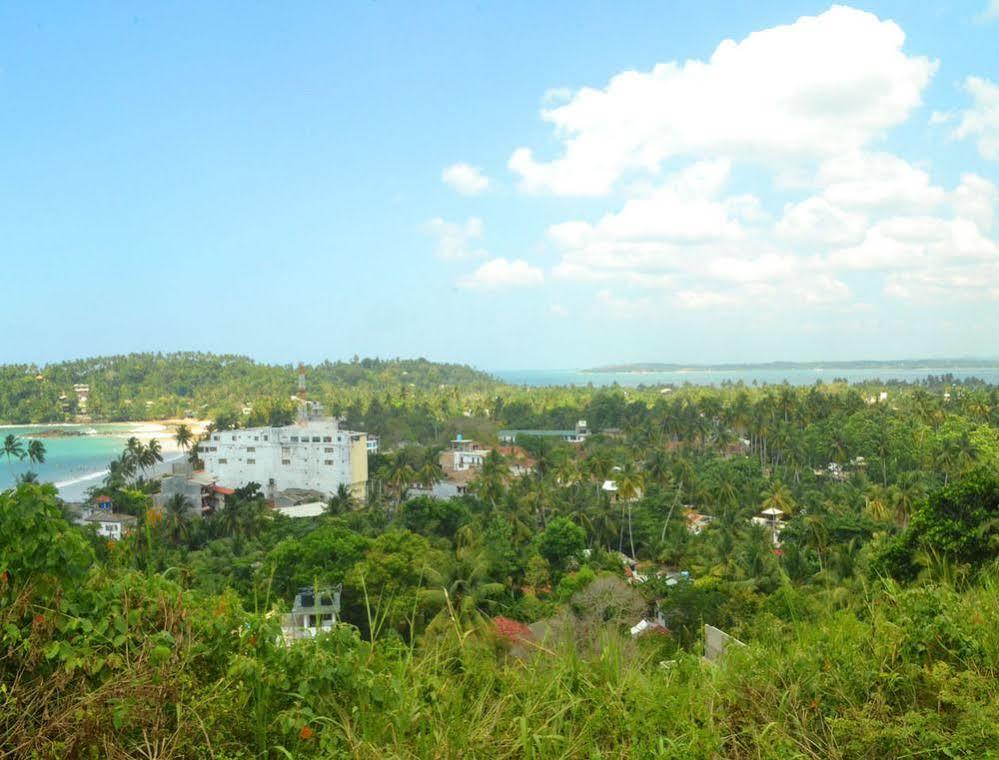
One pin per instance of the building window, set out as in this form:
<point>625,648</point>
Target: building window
<point>294,439</point>
<point>251,461</point>
<point>257,438</point>
<point>327,439</point>
<point>215,438</point>
<point>286,461</point>
<point>251,448</point>
<point>329,450</point>
<point>265,437</point>
<point>315,439</point>
<point>329,461</point>
<point>223,461</point>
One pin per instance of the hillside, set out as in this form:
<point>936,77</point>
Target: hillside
<point>158,385</point>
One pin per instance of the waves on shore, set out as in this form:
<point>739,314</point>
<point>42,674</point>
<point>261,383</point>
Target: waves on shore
<point>73,484</point>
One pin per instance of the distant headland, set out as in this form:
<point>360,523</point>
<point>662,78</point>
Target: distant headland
<point>909,364</point>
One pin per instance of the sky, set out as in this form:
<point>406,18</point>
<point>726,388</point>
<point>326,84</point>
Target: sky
<point>510,185</point>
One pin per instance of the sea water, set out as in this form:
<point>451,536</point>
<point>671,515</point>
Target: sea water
<point>748,376</point>
<point>76,458</point>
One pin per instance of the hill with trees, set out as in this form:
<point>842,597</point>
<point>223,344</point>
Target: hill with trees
<point>159,386</point>
<point>497,624</point>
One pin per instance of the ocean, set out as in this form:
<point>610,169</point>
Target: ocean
<point>75,462</point>
<point>760,376</point>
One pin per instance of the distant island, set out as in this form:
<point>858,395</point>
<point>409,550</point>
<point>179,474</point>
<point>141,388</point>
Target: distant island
<point>927,364</point>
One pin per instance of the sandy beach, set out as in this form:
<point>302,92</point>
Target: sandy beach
<point>78,454</point>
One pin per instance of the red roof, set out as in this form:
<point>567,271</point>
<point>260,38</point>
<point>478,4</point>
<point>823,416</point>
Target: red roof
<point>511,630</point>
<point>223,490</point>
<point>103,499</point>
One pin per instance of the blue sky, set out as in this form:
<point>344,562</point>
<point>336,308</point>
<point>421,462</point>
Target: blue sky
<point>488,183</point>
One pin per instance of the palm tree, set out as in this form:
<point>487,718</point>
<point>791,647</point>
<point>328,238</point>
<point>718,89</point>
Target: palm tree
<point>183,436</point>
<point>150,454</point>
<point>13,448</point>
<point>779,497</point>
<point>630,483</point>
<point>36,452</point>
<point>492,476</point>
<point>177,520</point>
<point>430,471</point>
<point>657,467</point>
<point>342,501</point>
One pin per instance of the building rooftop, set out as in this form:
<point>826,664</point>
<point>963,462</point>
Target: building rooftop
<point>105,516</point>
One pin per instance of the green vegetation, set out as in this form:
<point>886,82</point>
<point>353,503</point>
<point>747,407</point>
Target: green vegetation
<point>869,629</point>
<point>160,386</point>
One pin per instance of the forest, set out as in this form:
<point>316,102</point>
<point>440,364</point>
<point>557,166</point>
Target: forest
<point>868,624</point>
<point>190,384</point>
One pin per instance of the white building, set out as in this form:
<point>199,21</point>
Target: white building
<point>111,525</point>
<point>314,454</point>
<point>466,454</point>
<point>311,614</point>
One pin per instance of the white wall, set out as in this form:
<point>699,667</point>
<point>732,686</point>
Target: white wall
<point>313,454</point>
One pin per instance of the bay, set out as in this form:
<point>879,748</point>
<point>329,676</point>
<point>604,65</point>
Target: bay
<point>748,376</point>
<point>76,456</point>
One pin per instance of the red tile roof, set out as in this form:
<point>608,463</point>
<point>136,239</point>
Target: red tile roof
<point>511,630</point>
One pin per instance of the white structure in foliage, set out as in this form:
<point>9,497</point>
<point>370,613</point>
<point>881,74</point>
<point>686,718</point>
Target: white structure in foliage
<point>314,454</point>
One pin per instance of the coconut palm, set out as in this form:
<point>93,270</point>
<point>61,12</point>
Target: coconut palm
<point>429,472</point>
<point>630,482</point>
<point>36,452</point>
<point>177,518</point>
<point>183,436</point>
<point>13,448</point>
<point>492,476</point>
<point>342,501</point>
<point>150,454</point>
<point>779,496</point>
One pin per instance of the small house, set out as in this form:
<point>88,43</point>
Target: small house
<point>314,611</point>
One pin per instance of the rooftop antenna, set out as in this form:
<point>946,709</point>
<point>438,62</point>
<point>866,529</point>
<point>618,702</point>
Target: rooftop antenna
<point>303,397</point>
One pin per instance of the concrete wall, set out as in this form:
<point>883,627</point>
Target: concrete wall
<point>716,642</point>
<point>359,465</point>
<point>179,484</point>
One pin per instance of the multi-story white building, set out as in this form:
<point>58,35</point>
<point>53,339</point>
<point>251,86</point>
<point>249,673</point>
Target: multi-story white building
<point>314,454</point>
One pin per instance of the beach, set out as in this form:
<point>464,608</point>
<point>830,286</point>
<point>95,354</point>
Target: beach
<point>77,455</point>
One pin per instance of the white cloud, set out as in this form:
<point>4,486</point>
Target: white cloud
<point>975,199</point>
<point>465,179</point>
<point>456,241</point>
<point>877,182</point>
<point>819,223</point>
<point>502,273</point>
<point>912,243</point>
<point>784,94</point>
<point>981,120</point>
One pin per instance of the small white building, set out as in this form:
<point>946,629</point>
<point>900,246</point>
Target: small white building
<point>466,454</point>
<point>312,613</point>
<point>111,525</point>
<point>314,454</point>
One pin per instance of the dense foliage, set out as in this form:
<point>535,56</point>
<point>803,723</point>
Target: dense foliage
<point>868,628</point>
<point>159,386</point>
